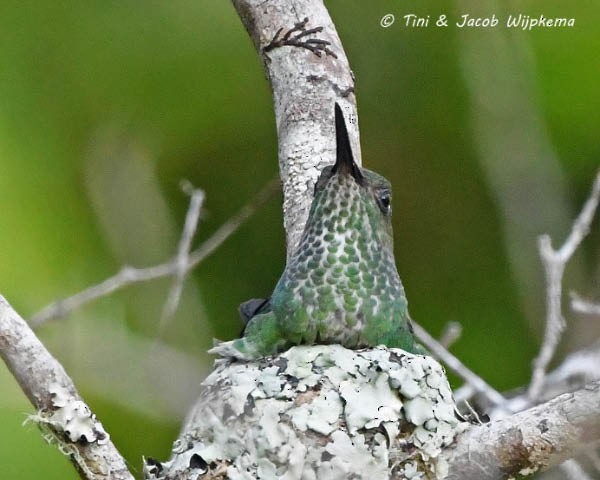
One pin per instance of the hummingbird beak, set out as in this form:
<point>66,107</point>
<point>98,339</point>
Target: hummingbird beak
<point>344,161</point>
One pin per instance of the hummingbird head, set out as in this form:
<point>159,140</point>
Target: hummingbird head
<point>353,198</point>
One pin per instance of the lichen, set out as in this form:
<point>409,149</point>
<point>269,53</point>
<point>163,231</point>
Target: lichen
<point>69,424</point>
<point>71,418</point>
<point>319,412</point>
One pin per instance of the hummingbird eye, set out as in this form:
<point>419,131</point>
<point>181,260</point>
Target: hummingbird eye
<point>384,200</point>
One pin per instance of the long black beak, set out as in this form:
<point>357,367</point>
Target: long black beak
<point>344,161</point>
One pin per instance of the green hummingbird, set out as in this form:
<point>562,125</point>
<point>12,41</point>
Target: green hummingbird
<point>341,285</point>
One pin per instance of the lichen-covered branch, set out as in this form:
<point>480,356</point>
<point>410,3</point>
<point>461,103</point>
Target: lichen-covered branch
<point>308,72</point>
<point>61,413</point>
<point>532,440</point>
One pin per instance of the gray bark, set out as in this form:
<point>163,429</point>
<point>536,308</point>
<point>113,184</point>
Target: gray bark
<point>305,87</point>
<point>532,440</point>
<point>61,413</point>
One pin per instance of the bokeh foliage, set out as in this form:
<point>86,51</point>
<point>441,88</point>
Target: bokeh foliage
<point>106,106</point>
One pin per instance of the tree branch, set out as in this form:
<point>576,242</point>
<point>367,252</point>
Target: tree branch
<point>66,420</point>
<point>532,440</point>
<point>183,252</point>
<point>581,305</point>
<point>554,265</point>
<point>305,86</point>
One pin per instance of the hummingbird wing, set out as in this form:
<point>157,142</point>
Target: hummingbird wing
<point>253,307</point>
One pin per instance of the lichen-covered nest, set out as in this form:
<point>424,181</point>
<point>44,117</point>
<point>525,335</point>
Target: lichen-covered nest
<point>318,412</point>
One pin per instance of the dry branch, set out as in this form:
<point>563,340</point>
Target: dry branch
<point>531,440</point>
<point>555,262</point>
<point>183,253</point>
<point>581,305</point>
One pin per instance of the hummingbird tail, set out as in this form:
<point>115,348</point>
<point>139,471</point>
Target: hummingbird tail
<point>262,337</point>
<point>238,349</point>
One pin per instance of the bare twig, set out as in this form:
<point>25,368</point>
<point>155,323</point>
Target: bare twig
<point>577,370</point>
<point>452,332</point>
<point>478,384</point>
<point>130,275</point>
<point>464,393</point>
<point>231,225</point>
<point>554,264</point>
<point>581,305</point>
<point>62,414</point>
<point>126,276</point>
<point>594,457</point>
<point>574,471</point>
<point>182,258</point>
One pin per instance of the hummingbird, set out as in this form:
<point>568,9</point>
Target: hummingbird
<point>341,285</point>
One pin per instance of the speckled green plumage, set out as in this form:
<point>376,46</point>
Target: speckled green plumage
<point>341,285</point>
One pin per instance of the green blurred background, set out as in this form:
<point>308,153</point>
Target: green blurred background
<point>489,137</point>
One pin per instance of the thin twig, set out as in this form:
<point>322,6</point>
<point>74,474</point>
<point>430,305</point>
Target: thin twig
<point>581,305</point>
<point>126,276</point>
<point>182,258</point>
<point>594,458</point>
<point>454,364</point>
<point>464,393</point>
<point>130,275</point>
<point>577,370</point>
<point>554,262</point>
<point>574,471</point>
<point>452,332</point>
<point>231,225</point>
<point>61,413</point>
